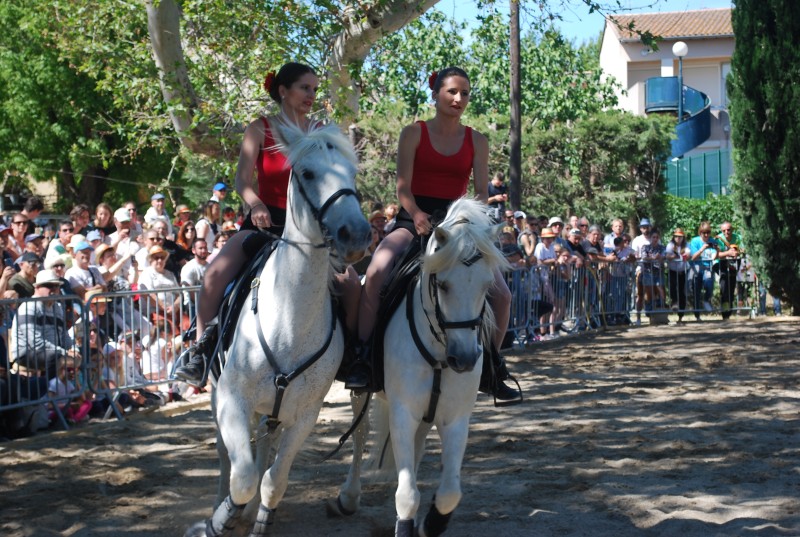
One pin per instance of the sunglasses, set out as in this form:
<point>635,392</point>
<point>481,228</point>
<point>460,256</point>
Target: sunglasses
<point>59,266</point>
<point>18,222</point>
<point>67,229</point>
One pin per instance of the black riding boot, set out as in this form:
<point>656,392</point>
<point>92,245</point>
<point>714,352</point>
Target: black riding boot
<point>358,367</point>
<point>194,360</point>
<point>493,375</point>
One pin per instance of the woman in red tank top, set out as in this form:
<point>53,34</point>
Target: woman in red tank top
<point>434,162</point>
<point>294,88</point>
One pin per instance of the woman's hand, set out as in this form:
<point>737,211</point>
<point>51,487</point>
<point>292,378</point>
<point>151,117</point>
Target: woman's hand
<point>422,222</point>
<point>260,216</point>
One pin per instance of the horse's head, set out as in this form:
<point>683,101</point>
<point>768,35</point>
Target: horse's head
<point>322,197</point>
<point>459,266</point>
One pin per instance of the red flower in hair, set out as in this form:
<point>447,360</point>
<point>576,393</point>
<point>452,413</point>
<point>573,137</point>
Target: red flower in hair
<point>432,79</point>
<point>268,80</point>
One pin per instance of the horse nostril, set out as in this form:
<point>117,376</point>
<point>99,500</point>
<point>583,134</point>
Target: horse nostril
<point>343,235</point>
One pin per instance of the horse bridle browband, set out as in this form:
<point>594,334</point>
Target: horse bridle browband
<point>319,213</point>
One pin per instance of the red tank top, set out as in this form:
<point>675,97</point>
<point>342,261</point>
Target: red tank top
<point>439,176</point>
<point>273,172</point>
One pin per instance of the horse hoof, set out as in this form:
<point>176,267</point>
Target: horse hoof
<point>335,509</point>
<point>404,528</point>
<point>198,529</point>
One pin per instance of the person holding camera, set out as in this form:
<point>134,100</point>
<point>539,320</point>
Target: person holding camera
<point>703,251</point>
<point>727,265</point>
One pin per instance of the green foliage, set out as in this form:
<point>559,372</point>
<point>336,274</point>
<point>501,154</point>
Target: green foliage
<point>605,166</point>
<point>54,120</point>
<point>765,117</point>
<point>399,65</point>
<point>687,213</point>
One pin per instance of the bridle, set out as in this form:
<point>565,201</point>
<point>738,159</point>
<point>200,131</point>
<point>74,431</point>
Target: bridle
<point>319,213</point>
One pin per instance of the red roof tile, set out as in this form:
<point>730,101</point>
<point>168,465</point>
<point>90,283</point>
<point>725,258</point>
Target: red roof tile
<point>677,24</point>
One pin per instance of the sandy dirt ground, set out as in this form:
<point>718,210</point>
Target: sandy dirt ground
<point>673,430</point>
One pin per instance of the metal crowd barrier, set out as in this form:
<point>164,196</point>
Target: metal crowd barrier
<point>115,351</point>
<point>553,300</point>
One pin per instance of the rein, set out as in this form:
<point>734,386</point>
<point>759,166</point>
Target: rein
<point>443,324</point>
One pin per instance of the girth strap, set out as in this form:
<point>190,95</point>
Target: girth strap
<point>282,380</point>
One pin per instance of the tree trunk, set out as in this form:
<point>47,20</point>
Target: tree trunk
<point>163,24</point>
<point>353,44</point>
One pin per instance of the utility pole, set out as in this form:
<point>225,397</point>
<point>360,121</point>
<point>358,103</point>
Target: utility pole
<point>515,134</point>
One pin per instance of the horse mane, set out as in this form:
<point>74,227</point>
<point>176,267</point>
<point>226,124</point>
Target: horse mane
<point>313,139</point>
<point>471,231</point>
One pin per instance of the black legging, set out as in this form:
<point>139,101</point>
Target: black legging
<point>677,289</point>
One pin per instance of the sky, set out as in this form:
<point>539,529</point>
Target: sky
<point>578,25</point>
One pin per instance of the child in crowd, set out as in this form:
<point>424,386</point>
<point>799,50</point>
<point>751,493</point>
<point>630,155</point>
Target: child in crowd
<point>652,257</point>
<point>561,280</point>
<point>72,402</point>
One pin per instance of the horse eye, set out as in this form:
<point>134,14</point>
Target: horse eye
<point>308,175</point>
<point>330,146</point>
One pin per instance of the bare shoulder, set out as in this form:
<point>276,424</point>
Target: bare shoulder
<point>479,140</point>
<point>411,132</point>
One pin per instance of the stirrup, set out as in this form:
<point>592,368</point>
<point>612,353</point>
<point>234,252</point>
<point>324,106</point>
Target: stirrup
<point>359,373</point>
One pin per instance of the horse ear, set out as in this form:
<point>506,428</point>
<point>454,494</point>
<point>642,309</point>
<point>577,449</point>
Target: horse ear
<point>441,235</point>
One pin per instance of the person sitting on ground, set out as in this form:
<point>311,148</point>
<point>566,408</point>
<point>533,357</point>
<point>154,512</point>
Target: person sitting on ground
<point>294,89</point>
<point>69,398</point>
<point>435,159</point>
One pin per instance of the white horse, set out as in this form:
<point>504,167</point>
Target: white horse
<point>283,357</point>
<point>433,344</point>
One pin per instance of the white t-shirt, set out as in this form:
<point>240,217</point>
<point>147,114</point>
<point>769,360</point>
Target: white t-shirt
<point>192,272</point>
<point>542,253</point>
<point>638,243</point>
<point>150,279</point>
<point>79,277</point>
<point>678,264</point>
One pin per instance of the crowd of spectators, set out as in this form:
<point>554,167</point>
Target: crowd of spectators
<point>130,340</point>
<point>117,251</point>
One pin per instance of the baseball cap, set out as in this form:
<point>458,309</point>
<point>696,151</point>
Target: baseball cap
<point>30,257</point>
<point>555,220</point>
<point>4,227</point>
<point>157,196</point>
<point>645,222</point>
<point>94,235</point>
<point>575,231</point>
<point>220,186</point>
<point>82,245</point>
<point>122,215</point>
<point>32,237</point>
<point>183,209</point>
<point>519,214</point>
<point>678,233</point>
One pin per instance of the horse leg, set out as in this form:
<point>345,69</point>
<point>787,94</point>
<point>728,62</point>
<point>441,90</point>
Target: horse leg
<point>234,427</point>
<point>276,479</point>
<point>349,498</point>
<point>454,442</point>
<point>407,496</point>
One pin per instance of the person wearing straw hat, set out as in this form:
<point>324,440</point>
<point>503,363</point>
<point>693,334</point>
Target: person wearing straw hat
<point>156,276</point>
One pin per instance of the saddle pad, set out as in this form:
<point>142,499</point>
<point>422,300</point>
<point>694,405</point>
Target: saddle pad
<point>403,275</point>
<point>234,301</point>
